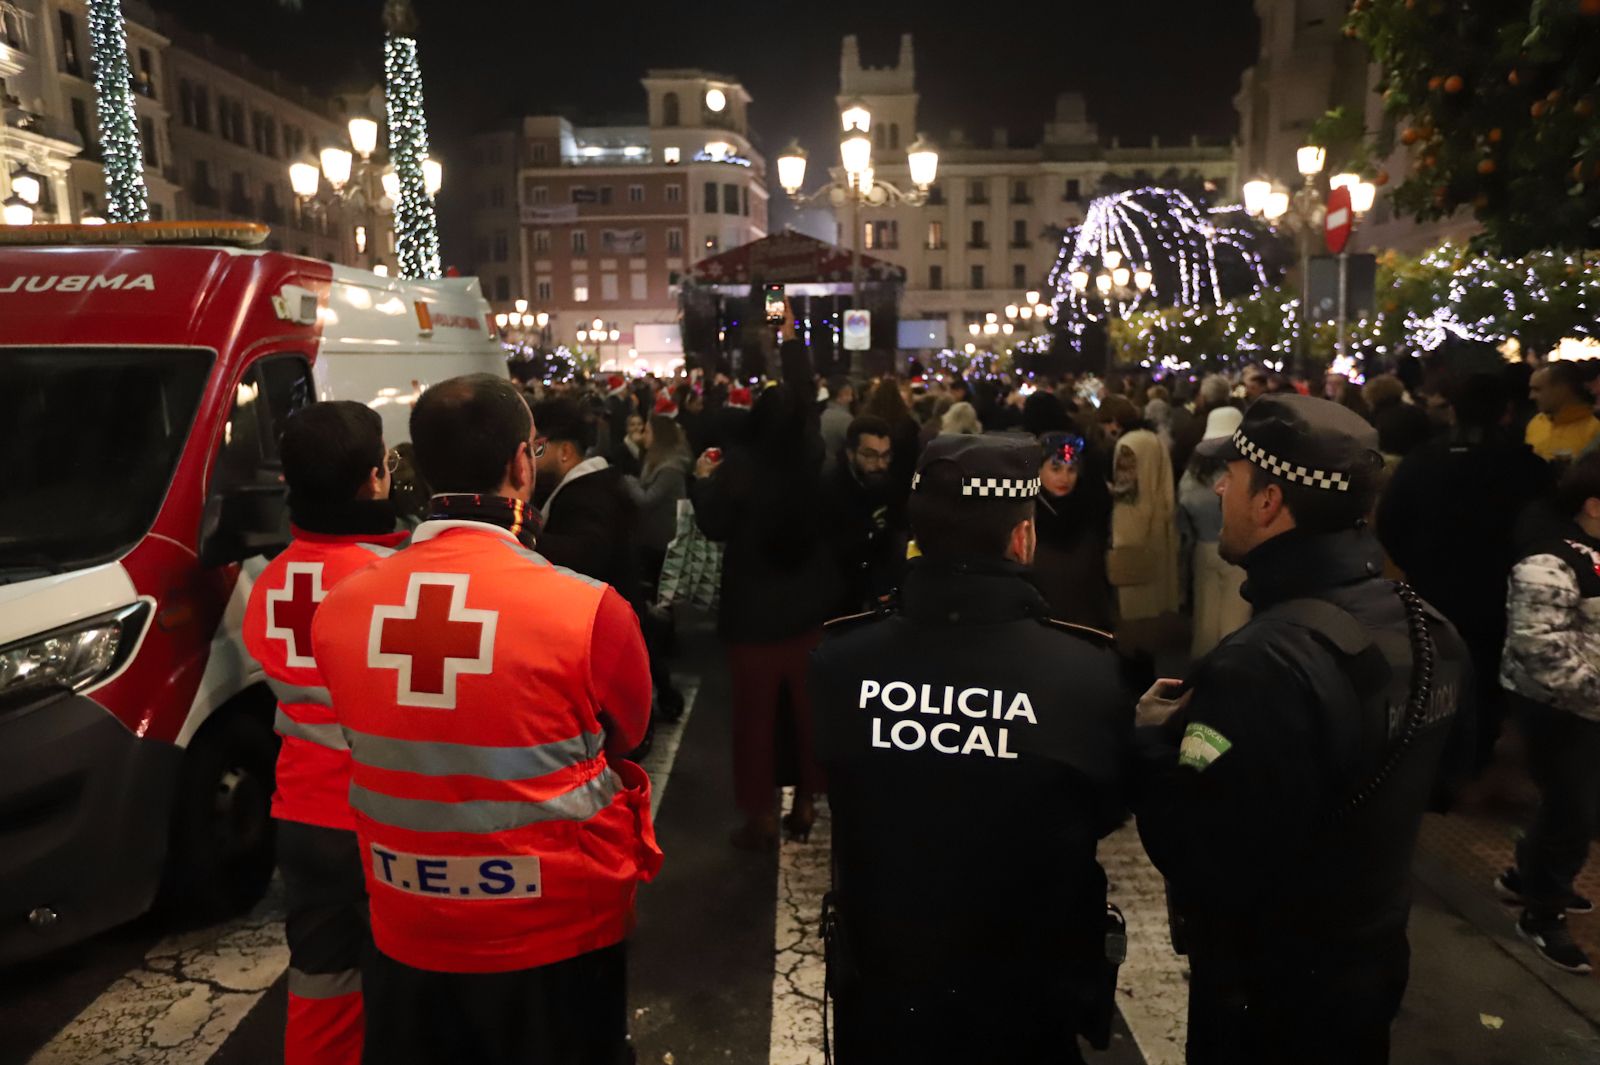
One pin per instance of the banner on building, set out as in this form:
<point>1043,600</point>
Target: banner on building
<point>545,216</point>
<point>622,241</point>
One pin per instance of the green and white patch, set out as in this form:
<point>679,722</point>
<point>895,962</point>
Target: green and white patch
<point>1201,746</point>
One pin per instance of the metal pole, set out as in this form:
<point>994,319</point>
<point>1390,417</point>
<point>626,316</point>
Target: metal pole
<point>1302,350</point>
<point>1344,273</point>
<point>857,358</point>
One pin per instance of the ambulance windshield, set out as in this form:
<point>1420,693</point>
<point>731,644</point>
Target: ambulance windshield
<point>90,439</point>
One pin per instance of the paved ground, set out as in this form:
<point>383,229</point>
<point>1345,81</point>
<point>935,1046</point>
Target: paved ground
<point>725,965</point>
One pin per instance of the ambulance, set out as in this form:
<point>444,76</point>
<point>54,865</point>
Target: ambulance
<point>146,372</point>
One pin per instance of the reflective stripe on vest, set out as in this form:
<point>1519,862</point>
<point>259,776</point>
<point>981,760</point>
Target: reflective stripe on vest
<point>436,759</point>
<point>324,985</point>
<point>330,736</point>
<point>481,816</point>
<point>295,694</point>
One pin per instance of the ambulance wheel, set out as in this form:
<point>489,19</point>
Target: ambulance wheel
<point>220,854</point>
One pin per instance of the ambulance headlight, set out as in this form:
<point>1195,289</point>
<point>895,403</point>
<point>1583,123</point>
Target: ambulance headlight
<point>70,658</point>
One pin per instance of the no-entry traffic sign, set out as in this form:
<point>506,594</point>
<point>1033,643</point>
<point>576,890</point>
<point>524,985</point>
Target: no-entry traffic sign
<point>1340,218</point>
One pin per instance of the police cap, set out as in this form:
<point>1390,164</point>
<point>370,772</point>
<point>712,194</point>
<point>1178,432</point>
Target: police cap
<point>992,466</point>
<point>1303,440</point>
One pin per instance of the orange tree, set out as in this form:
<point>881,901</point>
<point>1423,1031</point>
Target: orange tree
<point>1497,100</point>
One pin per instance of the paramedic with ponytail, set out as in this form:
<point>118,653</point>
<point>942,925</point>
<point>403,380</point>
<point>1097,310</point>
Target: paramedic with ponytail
<point>488,698</point>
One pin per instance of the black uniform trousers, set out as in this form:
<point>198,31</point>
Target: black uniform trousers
<point>572,1012</point>
<point>1563,752</point>
<point>330,941</point>
<point>1295,1003</point>
<point>877,1028</point>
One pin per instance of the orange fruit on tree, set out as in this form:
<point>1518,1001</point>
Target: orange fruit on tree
<point>1554,97</point>
<point>1382,179</point>
<point>1434,83</point>
<point>1486,166</point>
<point>1410,135</point>
<point>1495,135</point>
<point>1454,83</point>
<point>1538,109</point>
<point>1513,77</point>
<point>1584,107</point>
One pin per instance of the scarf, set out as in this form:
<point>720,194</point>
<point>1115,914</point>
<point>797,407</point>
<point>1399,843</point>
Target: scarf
<point>521,520</point>
<point>351,517</point>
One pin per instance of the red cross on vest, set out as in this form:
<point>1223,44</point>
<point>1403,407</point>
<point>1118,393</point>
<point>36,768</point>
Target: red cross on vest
<point>432,639</point>
<point>291,608</point>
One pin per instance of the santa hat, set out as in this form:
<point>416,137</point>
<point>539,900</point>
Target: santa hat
<point>665,406</point>
<point>739,397</point>
<point>616,384</point>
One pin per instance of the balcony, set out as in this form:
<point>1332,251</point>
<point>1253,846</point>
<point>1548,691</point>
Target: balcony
<point>935,246</point>
<point>1020,243</point>
<point>978,244</point>
<point>1021,201</point>
<point>978,201</point>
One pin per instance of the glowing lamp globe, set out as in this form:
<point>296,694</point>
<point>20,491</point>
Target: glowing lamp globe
<point>304,178</point>
<point>364,135</point>
<point>923,160</point>
<point>792,168</point>
<point>432,176</point>
<point>855,152</point>
<point>336,164</point>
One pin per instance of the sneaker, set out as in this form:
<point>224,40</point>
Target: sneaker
<point>1508,885</point>
<point>1551,939</point>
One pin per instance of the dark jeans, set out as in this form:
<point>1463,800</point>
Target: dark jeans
<point>871,1029</point>
<point>572,1012</point>
<point>1304,1005</point>
<point>1563,753</point>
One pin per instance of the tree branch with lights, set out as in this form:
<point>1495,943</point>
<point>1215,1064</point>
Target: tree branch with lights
<point>122,153</point>
<point>416,224</point>
<point>1497,102</point>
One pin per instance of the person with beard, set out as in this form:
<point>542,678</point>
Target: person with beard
<point>1072,520</point>
<point>589,521</point>
<point>886,402</point>
<point>1283,782</point>
<point>867,543</point>
<point>779,584</point>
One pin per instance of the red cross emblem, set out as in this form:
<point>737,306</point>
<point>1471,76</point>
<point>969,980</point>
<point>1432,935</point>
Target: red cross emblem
<point>432,639</point>
<point>291,608</point>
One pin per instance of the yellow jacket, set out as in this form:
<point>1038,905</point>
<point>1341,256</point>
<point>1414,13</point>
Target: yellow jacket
<point>1564,435</point>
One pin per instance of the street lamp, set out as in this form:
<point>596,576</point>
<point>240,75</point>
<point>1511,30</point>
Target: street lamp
<point>27,184</point>
<point>16,211</point>
<point>353,176</point>
<point>861,184</point>
<point>363,134</point>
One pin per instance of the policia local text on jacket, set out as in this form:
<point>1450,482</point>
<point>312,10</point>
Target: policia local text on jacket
<point>974,750</point>
<point>1294,905</point>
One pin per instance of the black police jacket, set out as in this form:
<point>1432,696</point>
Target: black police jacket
<point>974,752</point>
<point>1244,797</point>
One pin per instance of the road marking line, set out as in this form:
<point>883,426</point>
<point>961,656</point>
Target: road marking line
<point>804,873</point>
<point>668,739</point>
<point>181,1004</point>
<point>192,990</point>
<point>1153,985</point>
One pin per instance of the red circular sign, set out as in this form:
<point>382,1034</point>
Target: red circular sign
<point>1340,219</point>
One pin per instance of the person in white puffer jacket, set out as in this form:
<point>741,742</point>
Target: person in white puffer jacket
<point>1552,670</point>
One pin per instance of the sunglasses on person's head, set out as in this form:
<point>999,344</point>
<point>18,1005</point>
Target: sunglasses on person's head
<point>1064,448</point>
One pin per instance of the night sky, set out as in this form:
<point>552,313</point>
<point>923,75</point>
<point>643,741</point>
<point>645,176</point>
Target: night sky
<point>1163,67</point>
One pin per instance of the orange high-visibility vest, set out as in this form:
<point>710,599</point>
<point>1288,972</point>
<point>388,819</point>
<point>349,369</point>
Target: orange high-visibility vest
<point>314,761</point>
<point>476,685</point>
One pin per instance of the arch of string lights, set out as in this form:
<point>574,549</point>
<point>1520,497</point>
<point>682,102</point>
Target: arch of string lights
<point>1186,248</point>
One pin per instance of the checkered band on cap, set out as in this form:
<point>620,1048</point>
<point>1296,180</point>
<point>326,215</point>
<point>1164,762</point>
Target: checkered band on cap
<point>1289,471</point>
<point>994,487</point>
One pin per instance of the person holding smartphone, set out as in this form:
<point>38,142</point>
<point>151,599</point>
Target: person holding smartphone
<point>1283,781</point>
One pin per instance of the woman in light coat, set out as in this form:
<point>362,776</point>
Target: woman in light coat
<point>1143,561</point>
<point>1219,608</point>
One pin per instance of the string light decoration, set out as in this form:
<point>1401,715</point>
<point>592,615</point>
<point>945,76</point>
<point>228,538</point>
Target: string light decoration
<point>1194,255</point>
<point>122,153</point>
<point>415,223</point>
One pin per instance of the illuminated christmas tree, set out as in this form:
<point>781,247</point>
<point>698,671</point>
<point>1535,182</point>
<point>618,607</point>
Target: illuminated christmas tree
<point>415,224</point>
<point>122,154</point>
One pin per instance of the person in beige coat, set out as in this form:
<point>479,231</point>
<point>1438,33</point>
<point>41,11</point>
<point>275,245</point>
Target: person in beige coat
<point>1219,609</point>
<point>1143,560</point>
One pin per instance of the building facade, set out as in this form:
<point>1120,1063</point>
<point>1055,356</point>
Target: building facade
<point>47,106</point>
<point>235,130</point>
<point>992,224</point>
<point>603,222</point>
<point>218,132</point>
<point>1308,67</point>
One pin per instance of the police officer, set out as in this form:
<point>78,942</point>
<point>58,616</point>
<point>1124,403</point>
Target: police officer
<point>973,749</point>
<point>1283,782</point>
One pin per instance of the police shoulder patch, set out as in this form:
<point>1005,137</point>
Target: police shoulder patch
<point>1095,636</point>
<point>1201,746</point>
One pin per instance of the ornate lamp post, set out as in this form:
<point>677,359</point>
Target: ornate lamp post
<point>860,185</point>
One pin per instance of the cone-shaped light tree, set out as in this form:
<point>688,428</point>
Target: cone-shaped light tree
<point>416,225</point>
<point>122,154</point>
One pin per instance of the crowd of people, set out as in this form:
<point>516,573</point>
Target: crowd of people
<point>1114,520</point>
